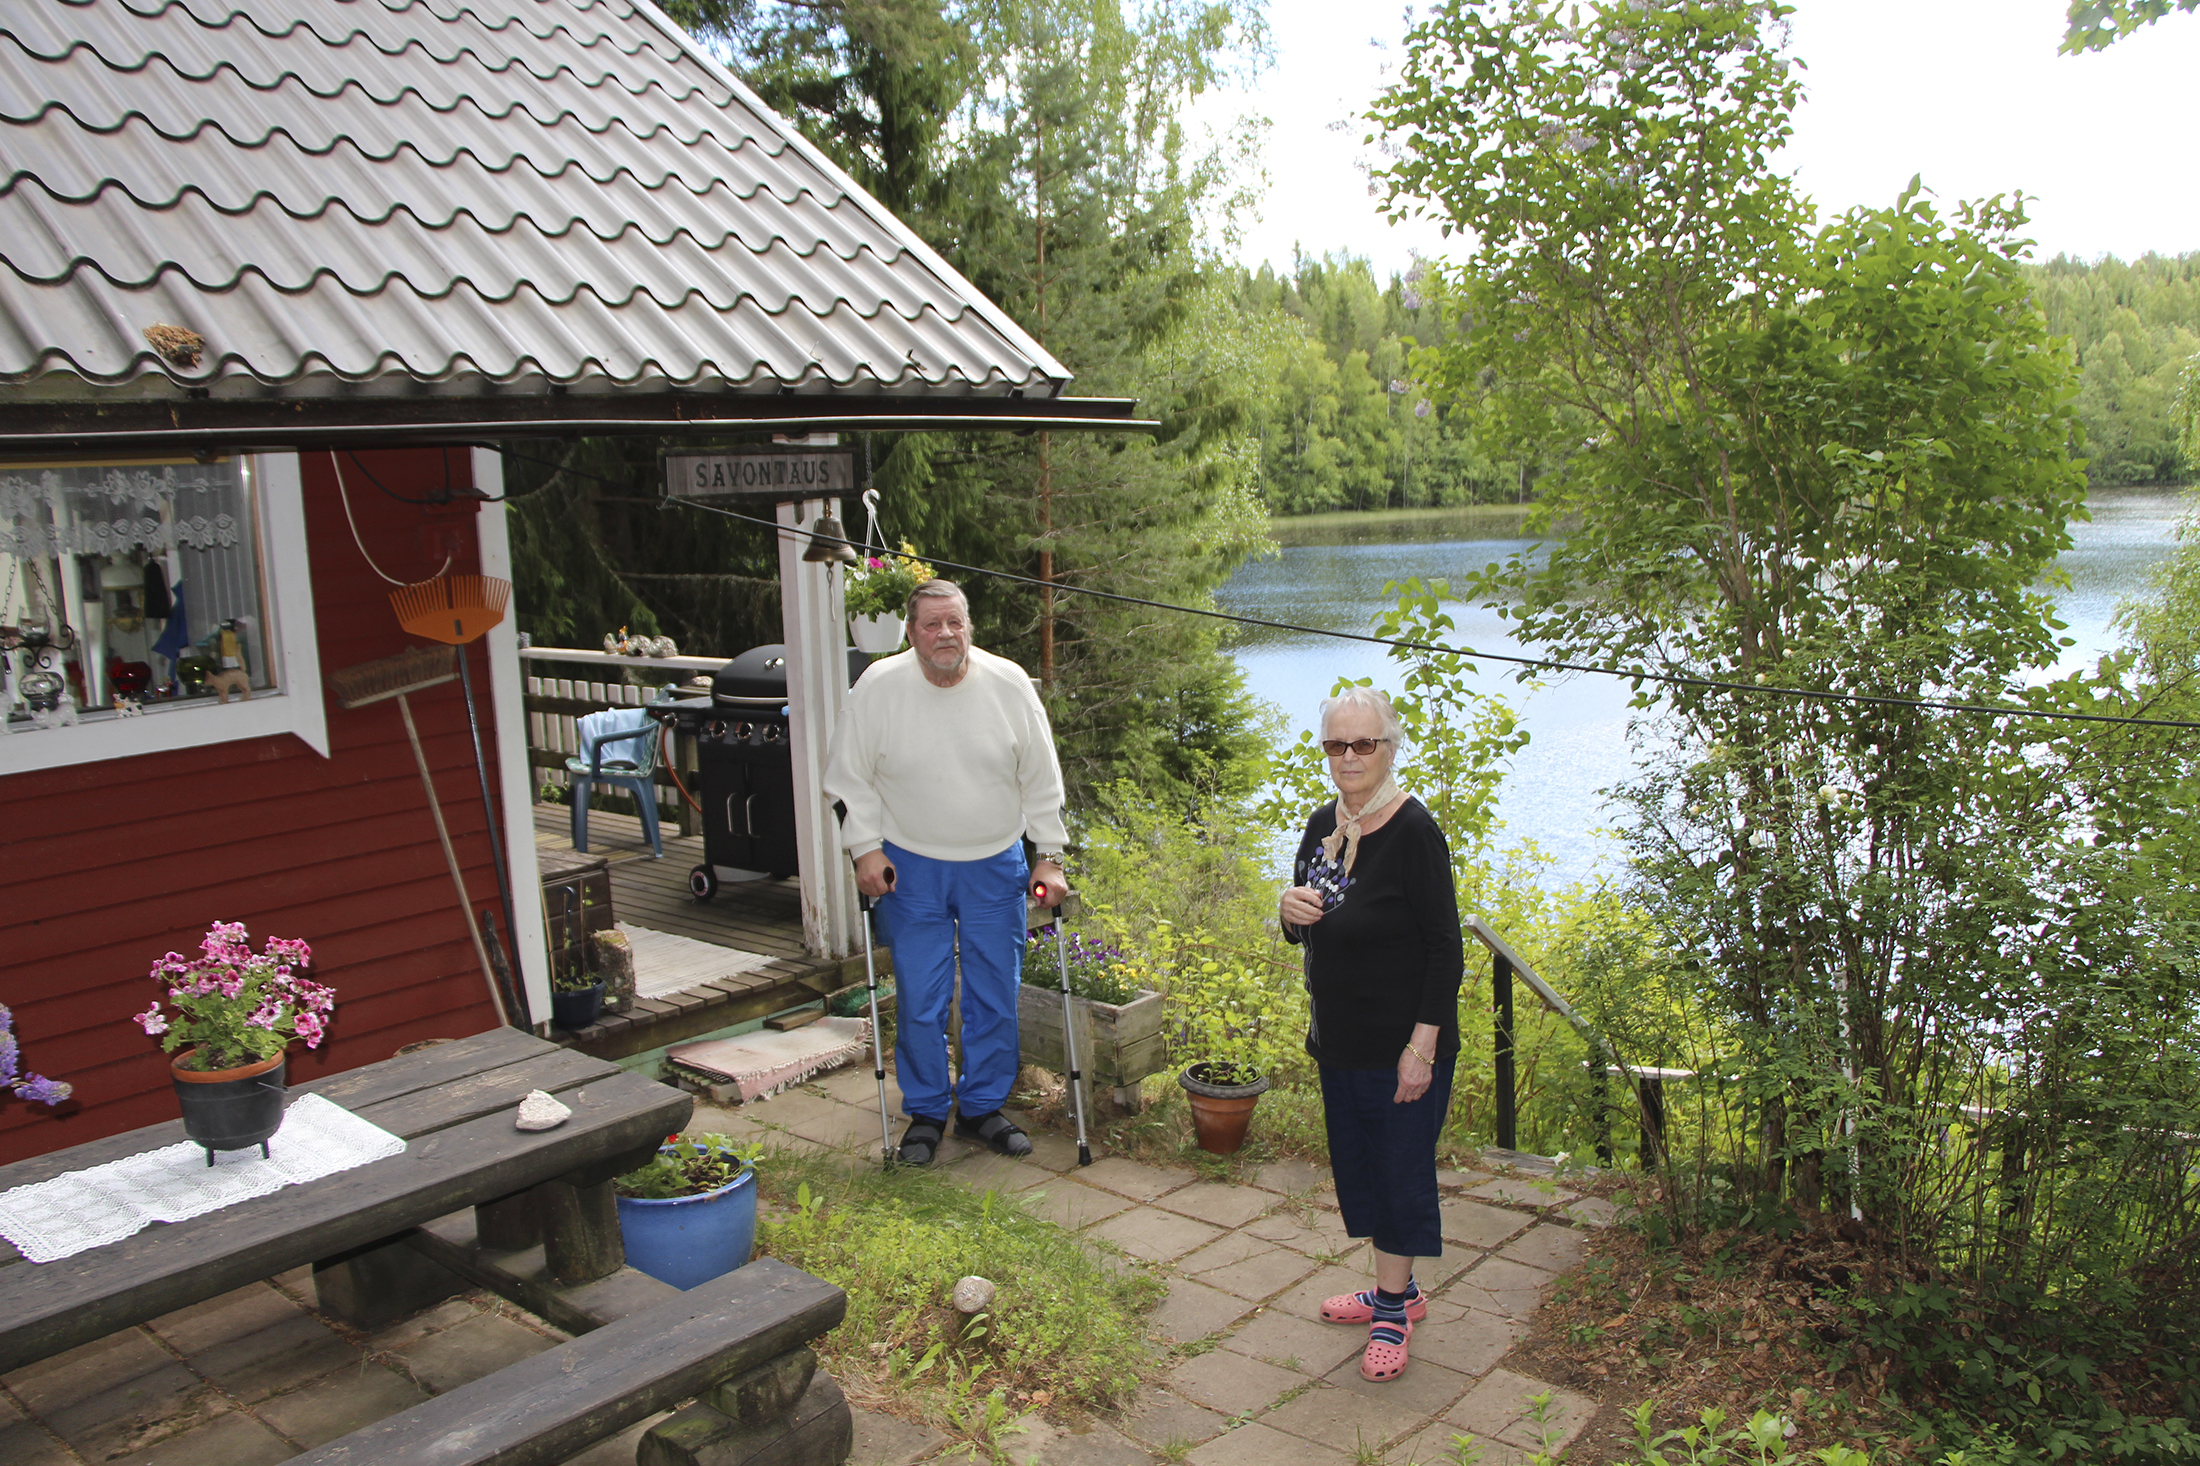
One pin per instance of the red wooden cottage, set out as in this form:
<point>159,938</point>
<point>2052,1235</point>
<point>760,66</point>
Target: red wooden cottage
<point>275,274</point>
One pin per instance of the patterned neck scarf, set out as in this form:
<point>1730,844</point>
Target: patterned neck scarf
<point>1347,833</point>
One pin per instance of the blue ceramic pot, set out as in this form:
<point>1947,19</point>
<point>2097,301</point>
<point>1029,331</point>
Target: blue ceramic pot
<point>687,1240</point>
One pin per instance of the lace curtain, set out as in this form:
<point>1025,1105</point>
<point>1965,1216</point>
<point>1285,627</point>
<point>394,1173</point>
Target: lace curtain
<point>113,510</point>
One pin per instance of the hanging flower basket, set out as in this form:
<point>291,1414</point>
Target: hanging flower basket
<point>876,635</point>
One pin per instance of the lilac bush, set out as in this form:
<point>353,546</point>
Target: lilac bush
<point>36,1088</point>
<point>238,1006</point>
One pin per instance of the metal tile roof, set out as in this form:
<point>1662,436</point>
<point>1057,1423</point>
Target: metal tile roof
<point>352,198</point>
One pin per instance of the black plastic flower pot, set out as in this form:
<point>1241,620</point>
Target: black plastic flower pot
<point>231,1109</point>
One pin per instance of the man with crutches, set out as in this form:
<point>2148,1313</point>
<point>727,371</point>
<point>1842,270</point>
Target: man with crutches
<point>945,761</point>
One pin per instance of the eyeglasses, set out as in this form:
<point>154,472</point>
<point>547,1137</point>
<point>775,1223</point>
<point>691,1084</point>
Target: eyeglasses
<point>1335,747</point>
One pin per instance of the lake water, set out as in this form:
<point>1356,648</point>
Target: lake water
<point>1577,723</point>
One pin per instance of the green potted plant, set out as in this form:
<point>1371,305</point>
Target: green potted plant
<point>238,1011</point>
<point>1117,1011</point>
<point>877,592</point>
<point>690,1214</point>
<point>1234,1021</point>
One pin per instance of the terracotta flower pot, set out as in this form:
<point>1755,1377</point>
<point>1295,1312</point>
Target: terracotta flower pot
<point>1221,1113</point>
<point>230,1109</point>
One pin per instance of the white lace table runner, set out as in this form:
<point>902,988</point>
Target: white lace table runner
<point>53,1219</point>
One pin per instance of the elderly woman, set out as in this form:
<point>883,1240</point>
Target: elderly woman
<point>1377,912</point>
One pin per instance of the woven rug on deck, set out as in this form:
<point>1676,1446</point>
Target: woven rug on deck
<point>761,1064</point>
<point>665,963</point>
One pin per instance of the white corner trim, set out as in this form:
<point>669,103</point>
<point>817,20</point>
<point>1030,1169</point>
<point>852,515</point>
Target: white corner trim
<point>298,705</point>
<point>515,780</point>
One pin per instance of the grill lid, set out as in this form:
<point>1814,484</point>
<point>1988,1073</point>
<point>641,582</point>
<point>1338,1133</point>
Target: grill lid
<point>757,679</point>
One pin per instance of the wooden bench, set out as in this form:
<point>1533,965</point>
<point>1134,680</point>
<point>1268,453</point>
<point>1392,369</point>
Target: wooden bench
<point>736,1345</point>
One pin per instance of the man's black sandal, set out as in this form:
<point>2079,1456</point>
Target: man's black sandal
<point>921,1141</point>
<point>996,1130</point>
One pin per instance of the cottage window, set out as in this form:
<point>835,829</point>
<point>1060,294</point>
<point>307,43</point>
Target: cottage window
<point>150,605</point>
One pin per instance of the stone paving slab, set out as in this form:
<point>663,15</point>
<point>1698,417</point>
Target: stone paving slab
<point>886,1440</point>
<point>1262,1275</point>
<point>1344,1422</point>
<point>1163,1421</point>
<point>1292,1178</point>
<point>1552,1248</point>
<point>1212,1201</point>
<point>1592,1211</point>
<point>1426,1389</point>
<point>1497,1285</point>
<point>1232,1383</point>
<point>1470,1343</point>
<point>1262,1445</point>
<point>279,1357</point>
<point>1193,1311</point>
<point>472,1350</point>
<point>1154,1235</point>
<point>1498,1408</point>
<point>1057,1152</point>
<point>232,1316</point>
<point>1228,1249</point>
<point>1306,1298</point>
<point>1433,1447</point>
<point>1473,1224</point>
<point>347,1400</point>
<point>1133,1179</point>
<point>1001,1173</point>
<point>1067,1202</point>
<point>226,1440</point>
<point>1523,1191</point>
<point>1297,1344</point>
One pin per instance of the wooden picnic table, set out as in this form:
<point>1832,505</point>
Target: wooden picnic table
<point>453,1104</point>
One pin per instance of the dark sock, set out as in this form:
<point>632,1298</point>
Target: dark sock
<point>1390,1316</point>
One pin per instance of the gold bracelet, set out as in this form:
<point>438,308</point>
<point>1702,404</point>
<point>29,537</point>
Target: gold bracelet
<point>1424,1058</point>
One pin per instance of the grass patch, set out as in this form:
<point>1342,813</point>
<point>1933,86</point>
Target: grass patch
<point>1064,1332</point>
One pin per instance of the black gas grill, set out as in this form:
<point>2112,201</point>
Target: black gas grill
<point>746,765</point>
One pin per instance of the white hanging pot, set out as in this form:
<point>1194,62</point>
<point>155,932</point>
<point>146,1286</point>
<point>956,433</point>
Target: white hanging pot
<point>876,635</point>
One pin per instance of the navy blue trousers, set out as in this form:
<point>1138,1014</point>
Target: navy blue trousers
<point>1383,1155</point>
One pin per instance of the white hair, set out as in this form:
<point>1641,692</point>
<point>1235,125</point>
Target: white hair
<point>1374,700</point>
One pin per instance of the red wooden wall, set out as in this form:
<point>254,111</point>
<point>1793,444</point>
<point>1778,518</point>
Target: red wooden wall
<point>106,866</point>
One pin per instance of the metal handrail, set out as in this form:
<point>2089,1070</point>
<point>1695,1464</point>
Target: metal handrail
<point>1649,1083</point>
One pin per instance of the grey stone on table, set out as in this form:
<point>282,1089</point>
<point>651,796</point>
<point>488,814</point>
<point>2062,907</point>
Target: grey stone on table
<point>1294,1343</point>
<point>1425,1389</point>
<point>1545,1245</point>
<point>888,1440</point>
<point>1262,1275</point>
<point>1523,1191</point>
<point>1291,1178</point>
<point>1161,1420</point>
<point>1154,1235</point>
<point>987,1171</point>
<point>1131,1178</point>
<point>226,1440</point>
<point>1193,1311</point>
<point>233,1315</point>
<point>1067,1202</point>
<point>348,1400</point>
<point>279,1357</point>
<point>1257,1444</point>
<point>1345,1422</point>
<point>1232,1383</point>
<point>1592,1211</point>
<point>1475,1225</point>
<point>1212,1201</point>
<point>473,1350</point>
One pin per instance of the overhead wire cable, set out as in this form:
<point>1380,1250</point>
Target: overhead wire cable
<point>1637,675</point>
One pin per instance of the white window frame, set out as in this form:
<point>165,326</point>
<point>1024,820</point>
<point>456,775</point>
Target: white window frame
<point>295,705</point>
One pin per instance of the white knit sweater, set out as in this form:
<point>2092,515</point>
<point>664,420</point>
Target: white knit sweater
<point>955,773</point>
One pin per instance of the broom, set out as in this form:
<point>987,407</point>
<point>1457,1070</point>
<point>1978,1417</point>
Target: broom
<point>409,672</point>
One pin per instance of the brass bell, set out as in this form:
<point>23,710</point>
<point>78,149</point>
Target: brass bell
<point>829,544</point>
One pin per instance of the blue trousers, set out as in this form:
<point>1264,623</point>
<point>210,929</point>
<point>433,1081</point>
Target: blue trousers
<point>932,902</point>
<point>1383,1155</point>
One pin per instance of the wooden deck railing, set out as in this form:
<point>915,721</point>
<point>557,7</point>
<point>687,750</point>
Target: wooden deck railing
<point>567,683</point>
<point>1648,1081</point>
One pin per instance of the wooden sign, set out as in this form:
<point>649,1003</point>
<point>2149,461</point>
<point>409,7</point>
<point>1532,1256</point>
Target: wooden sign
<point>778,474</point>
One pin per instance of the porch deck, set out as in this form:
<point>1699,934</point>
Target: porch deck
<point>761,917</point>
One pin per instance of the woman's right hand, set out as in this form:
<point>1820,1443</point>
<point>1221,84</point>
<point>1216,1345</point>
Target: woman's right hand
<point>1301,906</point>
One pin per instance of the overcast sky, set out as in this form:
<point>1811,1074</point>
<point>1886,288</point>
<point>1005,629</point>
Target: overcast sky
<point>1969,93</point>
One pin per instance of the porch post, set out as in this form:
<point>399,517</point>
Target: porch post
<point>814,626</point>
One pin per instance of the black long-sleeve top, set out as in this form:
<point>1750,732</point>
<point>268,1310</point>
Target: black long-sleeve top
<point>1388,956</point>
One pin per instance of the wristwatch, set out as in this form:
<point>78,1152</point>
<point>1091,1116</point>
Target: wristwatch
<point>1053,858</point>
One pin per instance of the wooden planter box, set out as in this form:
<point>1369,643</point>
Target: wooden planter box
<point>1117,1044</point>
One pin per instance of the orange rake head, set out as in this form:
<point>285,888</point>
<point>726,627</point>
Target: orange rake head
<point>451,608</point>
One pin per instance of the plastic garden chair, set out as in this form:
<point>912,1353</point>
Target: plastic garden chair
<point>631,764</point>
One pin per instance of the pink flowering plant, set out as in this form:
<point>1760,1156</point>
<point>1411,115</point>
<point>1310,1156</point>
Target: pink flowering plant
<point>238,1006</point>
